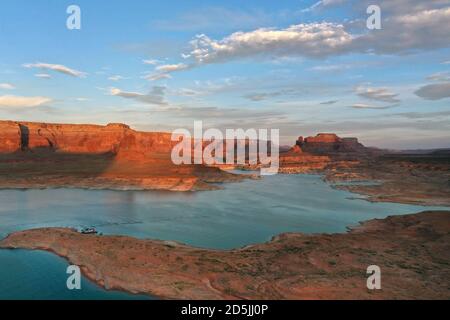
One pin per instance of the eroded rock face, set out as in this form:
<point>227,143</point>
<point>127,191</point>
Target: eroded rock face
<point>41,155</point>
<point>113,138</point>
<point>10,137</point>
<point>325,143</point>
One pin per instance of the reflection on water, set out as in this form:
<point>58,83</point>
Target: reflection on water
<point>243,213</point>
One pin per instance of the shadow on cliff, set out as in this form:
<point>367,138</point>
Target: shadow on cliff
<point>29,161</point>
<point>41,161</point>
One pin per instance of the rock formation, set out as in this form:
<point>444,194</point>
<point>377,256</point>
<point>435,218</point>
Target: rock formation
<point>10,137</point>
<point>37,155</point>
<point>328,143</point>
<point>115,138</point>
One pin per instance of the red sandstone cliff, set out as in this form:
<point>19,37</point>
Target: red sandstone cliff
<point>117,139</point>
<point>37,155</point>
<point>328,143</point>
<point>316,153</point>
<point>10,137</point>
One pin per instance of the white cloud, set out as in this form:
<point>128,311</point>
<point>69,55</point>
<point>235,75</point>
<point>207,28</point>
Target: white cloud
<point>157,76</point>
<point>7,86</point>
<point>403,32</point>
<point>408,32</point>
<point>116,78</point>
<point>387,6</point>
<point>172,67</point>
<point>43,75</point>
<point>163,71</point>
<point>379,94</point>
<point>151,61</point>
<point>439,76</point>
<point>56,67</point>
<point>155,96</point>
<point>21,102</point>
<point>311,40</point>
<point>331,67</point>
<point>436,91</point>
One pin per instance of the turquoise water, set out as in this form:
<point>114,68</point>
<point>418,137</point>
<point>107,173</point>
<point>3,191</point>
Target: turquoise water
<point>28,275</point>
<point>243,213</point>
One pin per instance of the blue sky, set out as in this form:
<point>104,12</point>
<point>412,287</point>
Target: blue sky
<point>300,66</point>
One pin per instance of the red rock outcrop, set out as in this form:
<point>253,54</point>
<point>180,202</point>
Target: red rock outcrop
<point>115,138</point>
<point>38,155</point>
<point>329,143</point>
<point>10,137</point>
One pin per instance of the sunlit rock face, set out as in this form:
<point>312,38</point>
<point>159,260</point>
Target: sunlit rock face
<point>10,137</point>
<point>113,138</point>
<point>329,143</point>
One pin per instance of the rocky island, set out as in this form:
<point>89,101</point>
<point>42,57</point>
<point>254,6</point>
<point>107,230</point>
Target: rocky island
<point>413,250</point>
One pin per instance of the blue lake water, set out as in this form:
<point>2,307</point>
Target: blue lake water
<point>243,213</point>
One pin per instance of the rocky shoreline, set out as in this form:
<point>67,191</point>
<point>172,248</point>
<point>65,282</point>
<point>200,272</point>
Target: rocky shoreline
<point>413,252</point>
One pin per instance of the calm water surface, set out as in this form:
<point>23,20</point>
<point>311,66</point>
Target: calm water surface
<point>243,213</point>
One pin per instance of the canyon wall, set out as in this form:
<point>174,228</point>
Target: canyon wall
<point>10,137</point>
<point>113,138</point>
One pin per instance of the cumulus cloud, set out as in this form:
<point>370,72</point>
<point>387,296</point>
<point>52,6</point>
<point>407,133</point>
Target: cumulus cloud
<point>155,96</point>
<point>22,102</point>
<point>403,31</point>
<point>311,40</point>
<point>7,86</point>
<point>379,94</point>
<point>435,91</point>
<point>56,67</point>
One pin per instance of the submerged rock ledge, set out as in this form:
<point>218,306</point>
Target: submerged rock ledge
<point>413,252</point>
